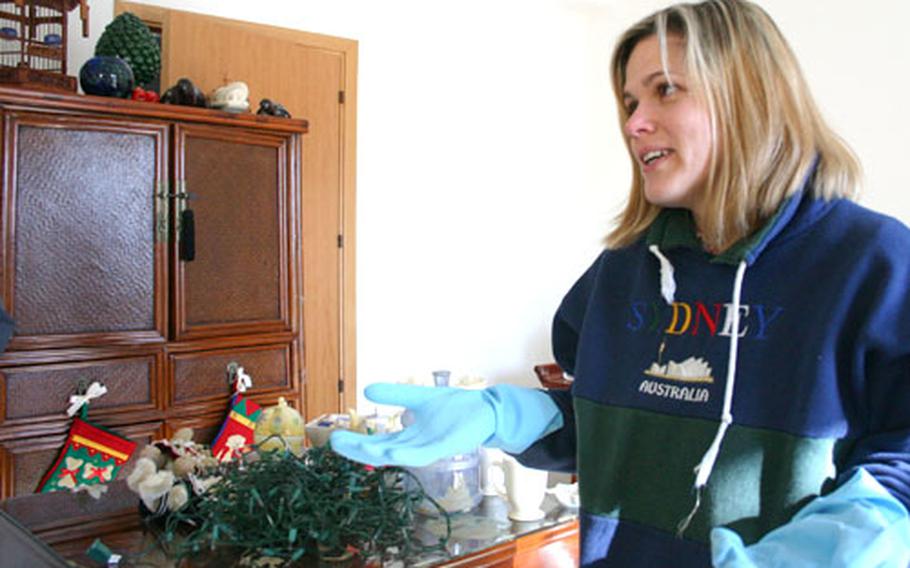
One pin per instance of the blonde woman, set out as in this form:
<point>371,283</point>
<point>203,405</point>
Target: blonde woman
<point>741,349</point>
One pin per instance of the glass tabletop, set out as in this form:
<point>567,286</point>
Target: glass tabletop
<point>481,528</point>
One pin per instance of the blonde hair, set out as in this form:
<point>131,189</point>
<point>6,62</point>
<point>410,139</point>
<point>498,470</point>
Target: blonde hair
<point>768,131</point>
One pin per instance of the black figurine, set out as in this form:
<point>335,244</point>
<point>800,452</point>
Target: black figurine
<point>271,108</point>
<point>184,93</point>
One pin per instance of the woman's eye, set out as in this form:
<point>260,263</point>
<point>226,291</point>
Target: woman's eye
<point>666,89</point>
<point>630,108</point>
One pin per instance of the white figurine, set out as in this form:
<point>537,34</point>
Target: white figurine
<point>233,97</point>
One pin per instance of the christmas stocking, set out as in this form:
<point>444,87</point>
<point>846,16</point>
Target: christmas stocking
<point>237,431</point>
<point>91,456</point>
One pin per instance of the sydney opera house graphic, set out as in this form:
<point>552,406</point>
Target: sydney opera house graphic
<point>692,370</point>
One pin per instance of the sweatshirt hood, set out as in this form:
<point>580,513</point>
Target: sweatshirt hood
<point>675,228</point>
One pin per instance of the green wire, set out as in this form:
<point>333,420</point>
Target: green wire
<point>280,505</point>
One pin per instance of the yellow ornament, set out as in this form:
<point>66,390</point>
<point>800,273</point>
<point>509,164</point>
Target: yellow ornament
<point>282,422</point>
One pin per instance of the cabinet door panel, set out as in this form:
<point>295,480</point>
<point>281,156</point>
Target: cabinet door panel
<point>28,459</point>
<point>238,188</point>
<point>81,261</point>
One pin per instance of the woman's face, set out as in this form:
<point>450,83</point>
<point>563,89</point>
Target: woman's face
<point>669,128</point>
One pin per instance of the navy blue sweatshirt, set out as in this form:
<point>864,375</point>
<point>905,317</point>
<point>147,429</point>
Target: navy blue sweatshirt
<point>817,380</point>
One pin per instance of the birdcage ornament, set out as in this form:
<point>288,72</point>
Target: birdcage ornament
<point>33,42</point>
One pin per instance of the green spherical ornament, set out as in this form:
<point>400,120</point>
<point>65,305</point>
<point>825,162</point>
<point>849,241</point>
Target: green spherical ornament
<point>130,39</point>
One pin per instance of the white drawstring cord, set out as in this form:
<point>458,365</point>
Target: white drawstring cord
<point>704,468</point>
<point>706,465</point>
<point>667,283</point>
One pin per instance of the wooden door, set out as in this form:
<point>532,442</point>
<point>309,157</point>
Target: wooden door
<point>314,76</point>
<point>237,186</point>
<point>83,257</point>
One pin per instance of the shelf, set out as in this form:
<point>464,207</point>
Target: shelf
<point>47,51</point>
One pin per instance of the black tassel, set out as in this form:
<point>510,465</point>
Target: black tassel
<point>187,235</point>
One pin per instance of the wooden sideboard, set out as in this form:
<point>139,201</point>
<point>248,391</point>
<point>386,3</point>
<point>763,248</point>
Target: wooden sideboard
<point>555,546</point>
<point>96,271</point>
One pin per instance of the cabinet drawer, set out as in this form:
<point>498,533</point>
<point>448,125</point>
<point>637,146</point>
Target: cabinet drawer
<point>24,461</point>
<point>41,392</point>
<point>205,427</point>
<point>202,376</point>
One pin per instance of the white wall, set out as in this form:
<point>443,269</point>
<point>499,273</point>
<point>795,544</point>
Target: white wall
<point>490,161</point>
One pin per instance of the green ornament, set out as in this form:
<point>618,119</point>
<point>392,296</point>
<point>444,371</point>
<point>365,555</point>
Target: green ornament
<point>128,38</point>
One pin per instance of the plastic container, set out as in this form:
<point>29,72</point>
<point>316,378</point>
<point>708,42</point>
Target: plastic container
<point>453,482</point>
<point>319,430</point>
<point>441,378</point>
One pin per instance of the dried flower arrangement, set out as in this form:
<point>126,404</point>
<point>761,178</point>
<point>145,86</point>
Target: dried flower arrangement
<point>168,470</point>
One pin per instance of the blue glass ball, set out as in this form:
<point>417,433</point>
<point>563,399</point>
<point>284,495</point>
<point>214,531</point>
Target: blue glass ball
<point>106,76</point>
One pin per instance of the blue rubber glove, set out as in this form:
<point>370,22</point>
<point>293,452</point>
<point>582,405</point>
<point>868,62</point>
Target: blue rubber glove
<point>449,421</point>
<point>857,525</point>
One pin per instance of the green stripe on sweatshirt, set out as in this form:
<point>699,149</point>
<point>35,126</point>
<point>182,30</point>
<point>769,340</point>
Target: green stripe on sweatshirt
<point>643,471</point>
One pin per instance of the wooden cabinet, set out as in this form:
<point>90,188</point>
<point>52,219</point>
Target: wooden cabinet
<point>94,228</point>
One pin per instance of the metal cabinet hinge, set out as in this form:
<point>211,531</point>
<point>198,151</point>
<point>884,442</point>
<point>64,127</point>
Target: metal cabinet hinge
<point>181,206</point>
<point>161,213</point>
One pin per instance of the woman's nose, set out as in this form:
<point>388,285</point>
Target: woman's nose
<point>639,122</point>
